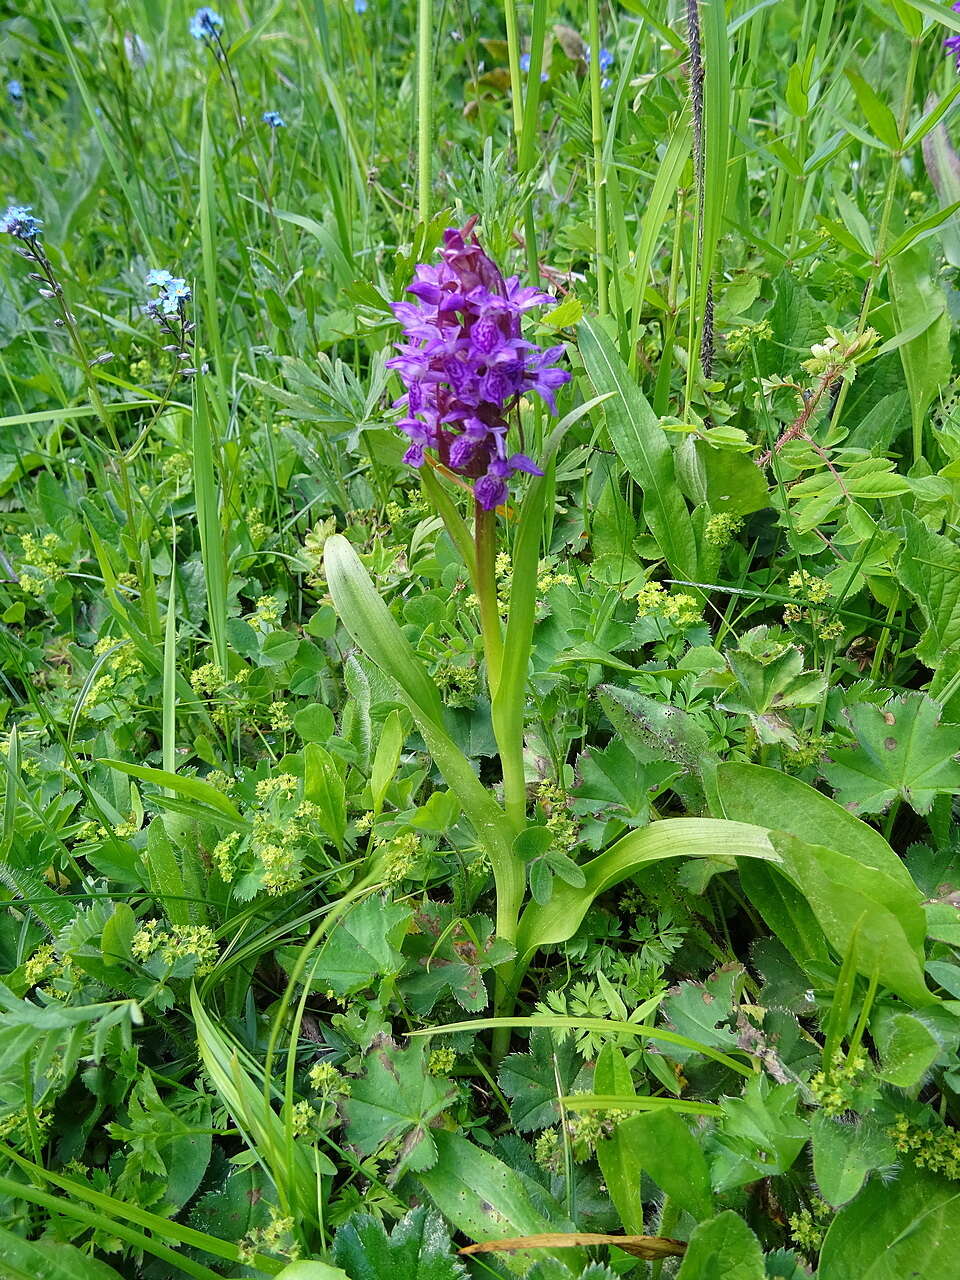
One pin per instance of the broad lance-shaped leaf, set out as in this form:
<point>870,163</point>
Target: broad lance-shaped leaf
<point>311,1270</point>
<point>920,308</point>
<point>779,802</point>
<point>370,623</point>
<point>860,907</point>
<point>559,919</point>
<point>643,447</point>
<point>418,1248</point>
<point>673,1158</point>
<point>621,1164</point>
<point>902,752</point>
<point>487,1200</point>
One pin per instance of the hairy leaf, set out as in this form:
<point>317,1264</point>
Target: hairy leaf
<point>418,1248</point>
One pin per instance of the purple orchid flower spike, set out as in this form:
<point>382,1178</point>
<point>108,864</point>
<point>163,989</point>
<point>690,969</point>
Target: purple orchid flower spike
<point>465,365</point>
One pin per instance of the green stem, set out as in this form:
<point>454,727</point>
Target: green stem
<point>485,541</point>
<point>599,194</point>
<point>424,106</point>
<point>508,731</point>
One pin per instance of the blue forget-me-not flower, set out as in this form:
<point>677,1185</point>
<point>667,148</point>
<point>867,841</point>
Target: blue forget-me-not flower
<point>19,221</point>
<point>206,23</point>
<point>274,119</point>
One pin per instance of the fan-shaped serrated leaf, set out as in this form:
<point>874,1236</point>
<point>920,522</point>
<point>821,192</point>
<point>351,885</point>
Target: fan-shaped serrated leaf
<point>902,752</point>
<point>418,1248</point>
<point>397,1098</point>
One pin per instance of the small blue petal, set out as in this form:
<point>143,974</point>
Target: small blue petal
<point>205,23</point>
<point>18,221</point>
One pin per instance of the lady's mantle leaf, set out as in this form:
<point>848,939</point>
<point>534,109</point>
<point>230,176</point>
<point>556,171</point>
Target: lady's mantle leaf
<point>418,1248</point>
<point>903,751</point>
<point>396,1098</point>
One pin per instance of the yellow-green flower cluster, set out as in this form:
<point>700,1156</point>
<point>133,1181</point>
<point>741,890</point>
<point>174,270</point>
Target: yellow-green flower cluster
<point>835,1089</point>
<point>458,685</point>
<point>809,587</point>
<point>266,614</point>
<point>808,1226</point>
<point>722,528</point>
<point>279,717</point>
<point>15,1128</point>
<point>176,942</point>
<point>738,340</point>
<point>807,751</point>
<point>398,857</point>
<point>547,578</point>
<point>43,964</point>
<point>268,1239</point>
<point>548,1152</point>
<point>301,1118</point>
<point>41,565</point>
<point>281,867</point>
<point>224,856</point>
<point>129,827</point>
<point>653,600</point>
<point>554,806</point>
<point>123,662</point>
<point>831,630</point>
<point>327,1080</point>
<point>278,784</point>
<point>256,527</point>
<point>276,838</point>
<point>396,513</point>
<point>813,592</point>
<point>207,679</point>
<point>936,1149</point>
<point>312,552</point>
<point>442,1062</point>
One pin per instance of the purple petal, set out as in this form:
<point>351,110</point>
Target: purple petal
<point>520,462</point>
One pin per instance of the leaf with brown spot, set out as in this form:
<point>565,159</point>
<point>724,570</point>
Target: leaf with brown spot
<point>915,763</point>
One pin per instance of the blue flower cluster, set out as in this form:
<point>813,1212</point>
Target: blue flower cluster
<point>173,294</point>
<point>206,24</point>
<point>18,221</point>
<point>465,365</point>
<point>360,6</point>
<point>274,119</point>
<point>606,62</point>
<point>14,90</point>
